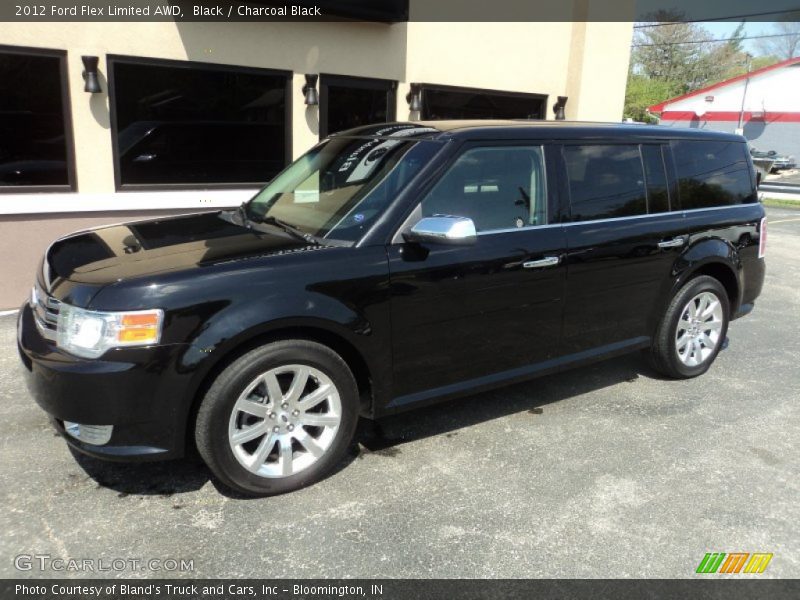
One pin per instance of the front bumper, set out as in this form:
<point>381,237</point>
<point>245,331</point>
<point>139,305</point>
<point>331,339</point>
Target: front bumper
<point>138,391</point>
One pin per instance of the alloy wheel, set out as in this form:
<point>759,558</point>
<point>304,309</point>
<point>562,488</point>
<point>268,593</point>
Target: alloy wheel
<point>284,421</point>
<point>698,332</point>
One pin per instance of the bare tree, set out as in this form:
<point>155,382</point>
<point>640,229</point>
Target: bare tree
<point>788,45</point>
<point>669,49</point>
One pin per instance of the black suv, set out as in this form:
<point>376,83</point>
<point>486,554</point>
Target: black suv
<point>389,267</point>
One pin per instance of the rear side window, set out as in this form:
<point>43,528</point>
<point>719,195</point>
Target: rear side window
<point>712,173</point>
<point>605,181</point>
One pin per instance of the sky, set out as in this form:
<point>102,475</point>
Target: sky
<point>721,30</point>
<point>708,13</point>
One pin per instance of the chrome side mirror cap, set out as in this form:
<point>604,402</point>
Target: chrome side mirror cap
<point>443,229</point>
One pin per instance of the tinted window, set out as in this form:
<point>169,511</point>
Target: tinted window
<point>605,181</point>
<point>181,125</point>
<point>712,173</point>
<point>33,137</point>
<point>498,188</point>
<point>349,103</point>
<point>657,187</point>
<point>479,104</point>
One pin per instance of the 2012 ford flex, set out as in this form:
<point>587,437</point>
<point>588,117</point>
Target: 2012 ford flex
<point>390,267</point>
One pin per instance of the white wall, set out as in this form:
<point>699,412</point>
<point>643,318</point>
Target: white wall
<point>773,91</point>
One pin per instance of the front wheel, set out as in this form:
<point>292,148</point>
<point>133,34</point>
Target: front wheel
<point>693,329</point>
<point>278,418</point>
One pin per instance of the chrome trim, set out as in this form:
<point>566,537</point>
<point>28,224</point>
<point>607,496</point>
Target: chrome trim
<point>672,213</point>
<point>660,214</point>
<point>547,261</point>
<point>673,243</point>
<point>728,206</point>
<point>523,228</point>
<point>47,333</point>
<point>45,311</point>
<point>96,435</point>
<point>443,228</point>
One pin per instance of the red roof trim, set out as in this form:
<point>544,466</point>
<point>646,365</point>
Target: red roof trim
<point>731,116</point>
<point>657,108</point>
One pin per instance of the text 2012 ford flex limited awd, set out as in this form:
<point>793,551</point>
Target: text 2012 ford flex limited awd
<point>389,267</point>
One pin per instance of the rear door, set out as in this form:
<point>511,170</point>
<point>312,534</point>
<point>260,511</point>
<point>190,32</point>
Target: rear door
<point>623,241</point>
<point>476,312</point>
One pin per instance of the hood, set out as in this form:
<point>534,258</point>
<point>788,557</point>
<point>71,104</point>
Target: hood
<point>119,252</point>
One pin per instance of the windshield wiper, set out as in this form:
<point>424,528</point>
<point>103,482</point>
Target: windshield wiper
<point>290,229</point>
<point>237,216</point>
<point>240,217</point>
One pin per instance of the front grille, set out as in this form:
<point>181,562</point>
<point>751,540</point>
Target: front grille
<point>45,312</point>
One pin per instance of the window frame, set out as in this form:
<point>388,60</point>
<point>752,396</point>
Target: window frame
<point>424,110</point>
<point>365,83</point>
<point>552,185</point>
<point>113,59</point>
<point>66,109</point>
<point>665,156</point>
<point>671,201</point>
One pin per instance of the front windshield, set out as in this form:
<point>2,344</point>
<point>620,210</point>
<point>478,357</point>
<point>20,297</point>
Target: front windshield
<point>338,188</point>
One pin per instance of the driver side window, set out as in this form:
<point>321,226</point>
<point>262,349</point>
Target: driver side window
<point>501,187</point>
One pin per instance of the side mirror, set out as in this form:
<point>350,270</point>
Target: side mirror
<point>758,178</point>
<point>443,229</point>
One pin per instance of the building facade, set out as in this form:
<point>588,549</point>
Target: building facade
<point>188,116</point>
<point>763,104</point>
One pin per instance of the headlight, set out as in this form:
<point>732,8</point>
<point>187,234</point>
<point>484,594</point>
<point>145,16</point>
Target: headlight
<point>89,333</point>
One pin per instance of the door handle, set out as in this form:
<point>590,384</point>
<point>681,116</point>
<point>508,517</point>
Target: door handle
<point>547,261</point>
<point>673,243</point>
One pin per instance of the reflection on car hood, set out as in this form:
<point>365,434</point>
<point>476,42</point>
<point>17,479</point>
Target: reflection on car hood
<point>118,252</point>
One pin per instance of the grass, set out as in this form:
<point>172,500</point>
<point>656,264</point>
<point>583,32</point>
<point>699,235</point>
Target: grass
<point>782,203</point>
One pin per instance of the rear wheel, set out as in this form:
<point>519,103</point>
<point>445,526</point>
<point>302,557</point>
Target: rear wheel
<point>692,330</point>
<point>278,418</point>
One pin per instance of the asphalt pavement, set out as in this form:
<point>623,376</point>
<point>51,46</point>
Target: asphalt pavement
<point>604,471</point>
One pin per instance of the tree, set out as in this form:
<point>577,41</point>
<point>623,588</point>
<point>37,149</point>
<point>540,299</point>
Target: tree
<point>755,63</point>
<point>788,45</point>
<point>668,49</point>
<point>671,57</point>
<point>736,42</point>
<point>643,92</point>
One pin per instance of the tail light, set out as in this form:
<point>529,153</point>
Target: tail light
<point>762,238</point>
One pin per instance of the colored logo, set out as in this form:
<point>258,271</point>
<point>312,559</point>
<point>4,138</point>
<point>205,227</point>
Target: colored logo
<point>734,562</point>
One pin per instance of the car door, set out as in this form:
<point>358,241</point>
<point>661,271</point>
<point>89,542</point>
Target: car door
<point>622,241</point>
<point>463,315</point>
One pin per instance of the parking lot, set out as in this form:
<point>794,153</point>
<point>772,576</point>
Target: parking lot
<point>605,471</point>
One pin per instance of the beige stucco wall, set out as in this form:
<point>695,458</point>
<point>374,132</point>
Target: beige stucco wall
<point>364,49</point>
<point>519,57</point>
<point>598,70</point>
<point>586,61</point>
<point>24,238</point>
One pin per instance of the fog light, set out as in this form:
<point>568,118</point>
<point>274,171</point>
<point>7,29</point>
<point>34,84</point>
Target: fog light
<point>97,435</point>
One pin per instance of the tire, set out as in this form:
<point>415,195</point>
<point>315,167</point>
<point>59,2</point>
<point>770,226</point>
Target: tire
<point>693,329</point>
<point>258,446</point>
